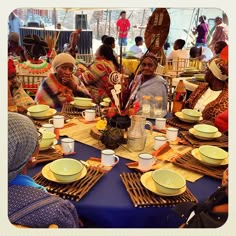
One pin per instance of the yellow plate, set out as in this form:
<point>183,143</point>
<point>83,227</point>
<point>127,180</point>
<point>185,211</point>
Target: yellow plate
<point>179,114</point>
<point>195,152</point>
<point>46,148</point>
<point>46,172</point>
<point>83,107</point>
<point>51,112</point>
<point>104,104</point>
<point>193,132</point>
<point>148,183</point>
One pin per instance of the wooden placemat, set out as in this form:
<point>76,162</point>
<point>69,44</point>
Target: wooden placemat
<point>75,190</point>
<point>174,121</point>
<point>141,197</point>
<point>219,142</point>
<point>188,161</point>
<point>49,155</point>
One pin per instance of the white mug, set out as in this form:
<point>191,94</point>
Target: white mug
<point>58,121</point>
<point>89,115</point>
<point>48,127</point>
<point>159,141</point>
<point>108,157</point>
<point>68,145</point>
<point>145,161</point>
<point>160,123</point>
<point>172,133</point>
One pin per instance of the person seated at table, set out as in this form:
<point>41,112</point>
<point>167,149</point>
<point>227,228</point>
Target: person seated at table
<point>110,41</point>
<point>202,53</point>
<point>103,37</point>
<point>96,76</point>
<point>34,49</point>
<point>212,213</point>
<point>219,46</point>
<point>148,83</point>
<point>211,98</point>
<point>178,51</point>
<point>14,49</point>
<point>136,49</point>
<point>17,97</point>
<point>29,203</point>
<point>222,121</point>
<point>61,86</point>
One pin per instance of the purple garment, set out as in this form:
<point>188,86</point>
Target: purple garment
<point>202,30</point>
<point>36,208</point>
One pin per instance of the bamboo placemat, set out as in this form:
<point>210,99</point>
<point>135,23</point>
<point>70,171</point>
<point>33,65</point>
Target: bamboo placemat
<point>219,142</point>
<point>189,162</point>
<point>49,155</point>
<point>67,108</point>
<point>75,190</point>
<point>141,197</point>
<point>174,121</point>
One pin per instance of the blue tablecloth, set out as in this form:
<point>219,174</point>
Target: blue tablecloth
<point>107,204</point>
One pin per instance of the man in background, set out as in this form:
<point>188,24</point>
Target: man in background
<point>14,23</point>
<point>123,27</point>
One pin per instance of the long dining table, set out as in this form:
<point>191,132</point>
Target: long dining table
<point>108,205</point>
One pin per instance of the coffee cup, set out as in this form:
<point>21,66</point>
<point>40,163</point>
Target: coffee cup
<point>108,157</point>
<point>48,127</point>
<point>145,161</point>
<point>58,121</point>
<point>89,115</point>
<point>172,133</point>
<point>67,145</point>
<point>159,141</point>
<point>160,123</point>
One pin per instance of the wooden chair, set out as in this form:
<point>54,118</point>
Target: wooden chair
<point>87,58</point>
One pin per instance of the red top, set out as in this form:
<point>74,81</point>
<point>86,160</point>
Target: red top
<point>123,25</point>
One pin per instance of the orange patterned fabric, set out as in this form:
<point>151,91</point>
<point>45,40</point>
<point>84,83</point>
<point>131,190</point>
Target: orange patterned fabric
<point>212,109</point>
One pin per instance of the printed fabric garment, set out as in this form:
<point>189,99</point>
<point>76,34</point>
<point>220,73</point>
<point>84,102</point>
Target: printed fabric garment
<point>36,208</point>
<point>96,79</point>
<point>21,98</point>
<point>54,94</point>
<point>213,108</point>
<point>124,25</point>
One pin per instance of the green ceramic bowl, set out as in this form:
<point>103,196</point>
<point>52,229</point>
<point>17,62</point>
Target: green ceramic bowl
<point>212,154</point>
<point>191,114</point>
<point>80,101</point>
<point>39,110</point>
<point>205,130</point>
<point>168,181</point>
<point>47,139</point>
<point>66,169</point>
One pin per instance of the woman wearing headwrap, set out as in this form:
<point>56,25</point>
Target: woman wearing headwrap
<point>16,94</point>
<point>61,86</point>
<point>211,98</point>
<point>34,49</point>
<point>148,82</point>
<point>29,203</point>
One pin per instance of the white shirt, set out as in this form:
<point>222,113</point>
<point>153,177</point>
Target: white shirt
<point>206,98</point>
<point>180,53</point>
<point>207,53</point>
<point>135,49</point>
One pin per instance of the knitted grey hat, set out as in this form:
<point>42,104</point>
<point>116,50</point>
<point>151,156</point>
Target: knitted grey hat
<point>22,142</point>
<point>61,59</point>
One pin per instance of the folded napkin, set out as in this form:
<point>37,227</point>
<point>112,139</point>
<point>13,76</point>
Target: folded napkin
<point>96,161</point>
<point>89,122</point>
<point>134,165</point>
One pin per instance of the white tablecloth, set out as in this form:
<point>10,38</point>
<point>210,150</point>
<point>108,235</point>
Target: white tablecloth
<point>188,85</point>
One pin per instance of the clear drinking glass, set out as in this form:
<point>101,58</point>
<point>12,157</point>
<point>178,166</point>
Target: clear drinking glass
<point>157,106</point>
<point>146,105</point>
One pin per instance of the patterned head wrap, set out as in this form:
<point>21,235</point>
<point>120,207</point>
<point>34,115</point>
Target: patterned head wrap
<point>61,59</point>
<point>215,67</point>
<point>151,56</point>
<point>22,141</point>
<point>11,67</point>
<point>35,46</point>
